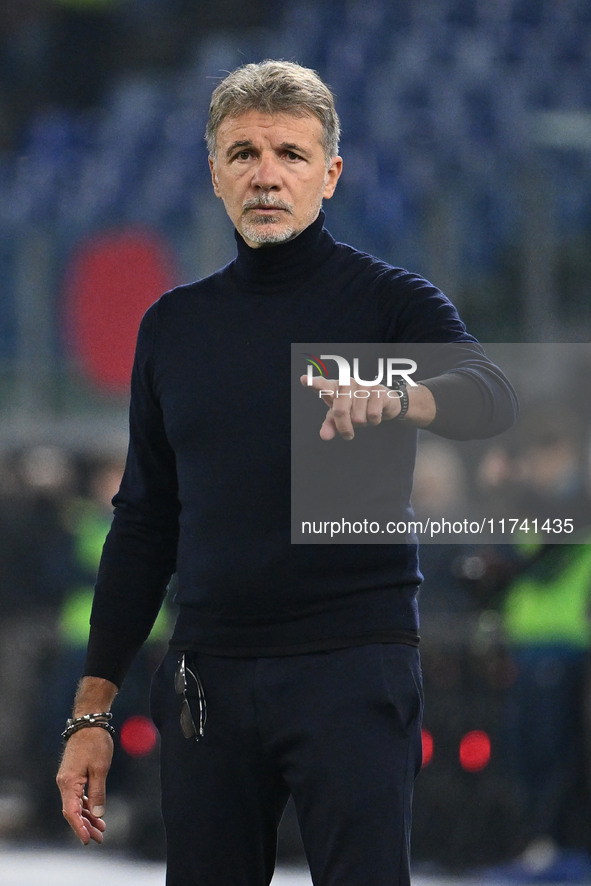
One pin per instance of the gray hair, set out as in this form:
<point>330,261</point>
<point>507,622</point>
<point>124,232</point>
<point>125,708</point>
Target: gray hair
<point>273,87</point>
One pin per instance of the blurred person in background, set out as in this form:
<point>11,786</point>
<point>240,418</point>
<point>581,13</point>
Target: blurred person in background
<point>292,668</point>
<point>546,615</point>
<point>542,472</point>
<point>35,484</point>
<point>83,520</point>
<point>440,491</point>
<point>543,593</point>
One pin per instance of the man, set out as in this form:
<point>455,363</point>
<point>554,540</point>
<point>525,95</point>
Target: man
<point>293,669</point>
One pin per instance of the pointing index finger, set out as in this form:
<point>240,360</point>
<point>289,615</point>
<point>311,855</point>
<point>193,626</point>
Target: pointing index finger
<point>338,399</point>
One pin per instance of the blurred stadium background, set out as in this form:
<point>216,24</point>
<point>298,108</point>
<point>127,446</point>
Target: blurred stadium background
<point>467,147</point>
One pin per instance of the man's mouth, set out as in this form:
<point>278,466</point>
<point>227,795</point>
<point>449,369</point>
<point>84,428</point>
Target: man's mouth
<point>265,208</point>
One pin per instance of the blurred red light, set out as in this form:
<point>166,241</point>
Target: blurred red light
<point>138,736</point>
<point>111,279</point>
<point>427,739</point>
<point>475,751</point>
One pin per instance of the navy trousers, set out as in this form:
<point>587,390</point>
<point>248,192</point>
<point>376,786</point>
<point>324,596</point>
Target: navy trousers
<point>339,731</point>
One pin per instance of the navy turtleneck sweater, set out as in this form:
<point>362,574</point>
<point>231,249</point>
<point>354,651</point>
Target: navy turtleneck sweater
<point>206,488</point>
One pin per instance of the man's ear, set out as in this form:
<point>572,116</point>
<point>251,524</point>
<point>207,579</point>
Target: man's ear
<point>333,174</point>
<point>214,178</point>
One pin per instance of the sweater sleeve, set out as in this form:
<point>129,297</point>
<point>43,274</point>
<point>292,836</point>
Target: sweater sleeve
<point>474,401</point>
<point>139,555</point>
<point>473,397</point>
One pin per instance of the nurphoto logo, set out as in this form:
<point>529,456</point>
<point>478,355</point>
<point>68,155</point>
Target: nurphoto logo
<point>390,370</point>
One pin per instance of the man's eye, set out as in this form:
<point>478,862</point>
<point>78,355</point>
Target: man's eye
<point>291,155</point>
<point>243,155</point>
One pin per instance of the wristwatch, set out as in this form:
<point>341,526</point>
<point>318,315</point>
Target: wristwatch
<point>401,386</point>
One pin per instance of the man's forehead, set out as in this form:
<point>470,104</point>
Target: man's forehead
<point>253,123</point>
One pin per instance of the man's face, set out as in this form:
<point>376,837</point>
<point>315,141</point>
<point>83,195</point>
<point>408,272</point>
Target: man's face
<point>271,173</point>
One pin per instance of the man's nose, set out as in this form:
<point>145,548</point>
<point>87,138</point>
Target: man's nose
<point>267,174</point>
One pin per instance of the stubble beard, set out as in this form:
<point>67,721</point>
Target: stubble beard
<point>261,229</point>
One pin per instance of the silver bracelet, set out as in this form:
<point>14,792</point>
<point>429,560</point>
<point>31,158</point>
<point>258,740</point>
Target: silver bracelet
<point>100,719</point>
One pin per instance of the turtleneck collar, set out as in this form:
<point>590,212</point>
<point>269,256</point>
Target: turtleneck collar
<point>270,267</point>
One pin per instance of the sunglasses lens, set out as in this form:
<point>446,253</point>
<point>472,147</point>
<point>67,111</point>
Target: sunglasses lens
<point>180,680</point>
<point>187,725</point>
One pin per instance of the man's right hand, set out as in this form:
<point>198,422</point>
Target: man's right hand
<point>82,779</point>
<point>86,761</point>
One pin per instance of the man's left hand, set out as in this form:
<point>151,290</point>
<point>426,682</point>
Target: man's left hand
<point>348,409</point>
